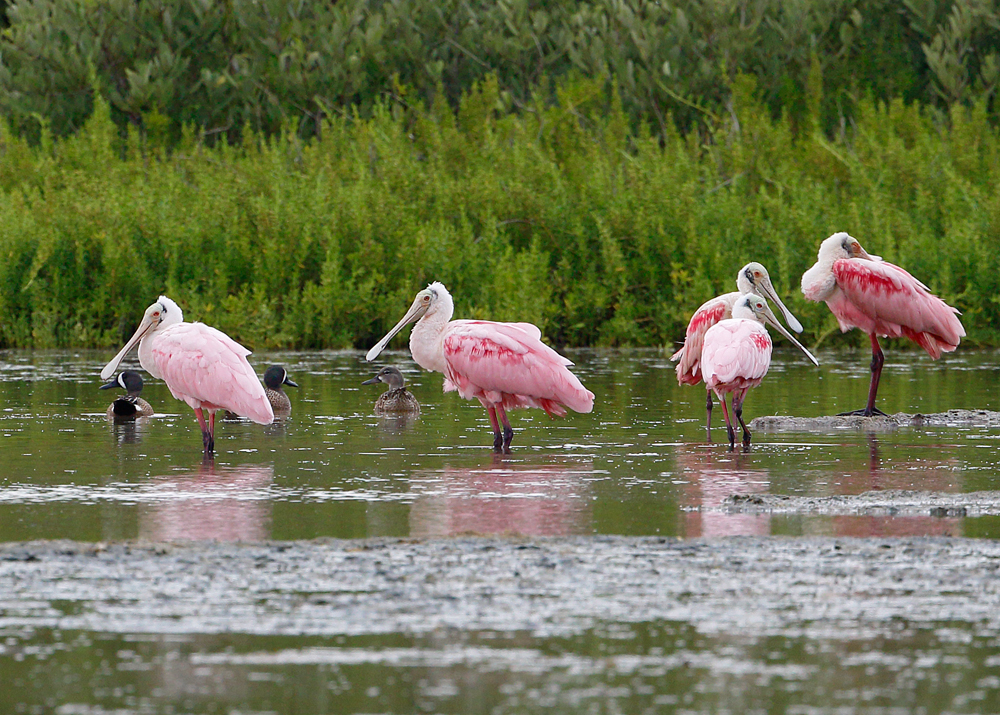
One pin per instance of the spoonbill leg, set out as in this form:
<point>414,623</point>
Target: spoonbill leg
<point>729,427</point>
<point>738,411</point>
<point>878,360</point>
<point>497,437</point>
<point>206,434</point>
<point>708,412</point>
<point>508,431</point>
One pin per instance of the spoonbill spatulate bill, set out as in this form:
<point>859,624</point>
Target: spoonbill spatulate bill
<point>867,293</point>
<point>202,366</point>
<point>503,365</point>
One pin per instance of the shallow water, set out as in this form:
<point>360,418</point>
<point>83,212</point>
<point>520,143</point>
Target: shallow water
<point>638,465</point>
<point>88,640</point>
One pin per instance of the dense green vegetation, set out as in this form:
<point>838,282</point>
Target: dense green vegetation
<point>225,64</point>
<point>558,214</point>
<point>599,168</point>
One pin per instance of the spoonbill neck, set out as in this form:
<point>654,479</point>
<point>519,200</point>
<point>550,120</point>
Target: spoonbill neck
<point>427,340</point>
<point>146,354</point>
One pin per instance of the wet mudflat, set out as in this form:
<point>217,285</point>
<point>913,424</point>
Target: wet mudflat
<point>336,562</point>
<point>577,624</point>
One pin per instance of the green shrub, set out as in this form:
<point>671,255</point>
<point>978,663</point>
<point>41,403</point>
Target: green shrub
<point>267,64</point>
<point>558,213</point>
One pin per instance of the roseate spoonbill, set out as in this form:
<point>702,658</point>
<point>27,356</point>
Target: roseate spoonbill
<point>865,292</point>
<point>736,354</point>
<point>397,398</point>
<point>201,365</point>
<point>752,278</point>
<point>131,405</point>
<point>503,365</point>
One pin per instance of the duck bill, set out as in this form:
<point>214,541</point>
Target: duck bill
<point>373,381</point>
<point>771,320</point>
<point>415,313</point>
<point>140,333</point>
<point>288,381</point>
<point>111,385</point>
<point>772,295</point>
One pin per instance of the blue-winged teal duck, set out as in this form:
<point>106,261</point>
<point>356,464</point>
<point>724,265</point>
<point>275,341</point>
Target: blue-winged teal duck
<point>396,398</point>
<point>130,405</point>
<point>274,377</point>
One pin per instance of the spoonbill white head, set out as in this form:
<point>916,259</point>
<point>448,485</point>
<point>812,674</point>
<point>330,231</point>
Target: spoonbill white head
<point>753,278</point>
<point>162,313</point>
<point>842,245</point>
<point>434,300</point>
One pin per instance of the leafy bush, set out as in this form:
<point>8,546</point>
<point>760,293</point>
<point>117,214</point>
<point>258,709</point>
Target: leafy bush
<point>268,64</point>
<point>559,213</point>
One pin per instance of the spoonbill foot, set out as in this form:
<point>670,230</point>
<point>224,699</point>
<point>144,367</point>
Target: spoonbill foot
<point>864,412</point>
<point>508,432</point>
<point>207,429</point>
<point>738,411</point>
<point>508,435</point>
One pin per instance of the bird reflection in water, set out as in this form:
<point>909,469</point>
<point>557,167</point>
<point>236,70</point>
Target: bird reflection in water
<point>397,424</point>
<point>211,504</point>
<point>128,430</point>
<point>923,475</point>
<point>502,498</point>
<point>712,477</point>
<point>278,428</point>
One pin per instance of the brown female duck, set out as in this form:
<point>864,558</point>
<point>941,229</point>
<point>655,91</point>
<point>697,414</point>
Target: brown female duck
<point>396,399</point>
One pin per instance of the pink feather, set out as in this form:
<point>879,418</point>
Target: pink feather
<point>688,358</point>
<point>884,299</point>
<point>206,368</point>
<point>736,355</point>
<point>508,364</point>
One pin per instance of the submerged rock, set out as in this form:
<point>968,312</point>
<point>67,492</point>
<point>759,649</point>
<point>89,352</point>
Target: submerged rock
<point>888,502</point>
<point>876,423</point>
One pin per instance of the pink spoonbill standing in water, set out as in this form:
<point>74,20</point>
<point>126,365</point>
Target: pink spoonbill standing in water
<point>865,292</point>
<point>201,365</point>
<point>736,354</point>
<point>752,278</point>
<point>503,365</point>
